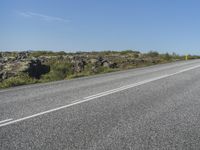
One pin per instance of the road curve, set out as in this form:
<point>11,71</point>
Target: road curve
<point>154,107</point>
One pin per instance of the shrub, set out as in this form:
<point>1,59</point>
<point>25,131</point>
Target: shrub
<point>59,70</point>
<point>21,79</point>
<point>153,54</point>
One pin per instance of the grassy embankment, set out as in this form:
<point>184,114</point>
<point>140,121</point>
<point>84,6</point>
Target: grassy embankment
<point>62,68</point>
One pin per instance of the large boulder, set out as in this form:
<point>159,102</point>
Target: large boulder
<point>105,63</point>
<point>78,64</point>
<point>93,61</point>
<point>113,65</point>
<point>102,62</point>
<point>22,55</point>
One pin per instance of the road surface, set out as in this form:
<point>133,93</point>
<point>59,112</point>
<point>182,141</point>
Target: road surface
<point>155,107</point>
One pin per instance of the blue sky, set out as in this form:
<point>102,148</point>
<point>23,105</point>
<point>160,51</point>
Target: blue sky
<point>74,25</point>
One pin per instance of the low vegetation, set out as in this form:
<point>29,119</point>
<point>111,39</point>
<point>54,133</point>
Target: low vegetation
<point>20,68</point>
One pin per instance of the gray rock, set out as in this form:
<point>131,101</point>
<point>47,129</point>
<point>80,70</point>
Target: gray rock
<point>22,55</point>
<point>78,64</point>
<point>93,61</point>
<point>105,63</point>
<point>113,65</point>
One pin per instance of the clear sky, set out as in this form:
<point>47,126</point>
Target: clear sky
<point>74,25</point>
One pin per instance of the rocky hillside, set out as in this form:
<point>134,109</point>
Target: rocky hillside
<point>18,68</point>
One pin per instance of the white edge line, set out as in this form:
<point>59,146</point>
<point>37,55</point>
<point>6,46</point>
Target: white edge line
<point>7,120</point>
<point>89,98</point>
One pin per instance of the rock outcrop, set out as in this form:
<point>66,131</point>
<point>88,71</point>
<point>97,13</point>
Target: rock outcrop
<point>22,55</point>
<point>78,64</point>
<point>33,67</point>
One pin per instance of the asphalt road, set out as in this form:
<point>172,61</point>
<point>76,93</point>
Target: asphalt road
<point>155,107</point>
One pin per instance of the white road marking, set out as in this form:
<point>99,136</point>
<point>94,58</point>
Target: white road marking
<point>89,98</point>
<point>3,121</point>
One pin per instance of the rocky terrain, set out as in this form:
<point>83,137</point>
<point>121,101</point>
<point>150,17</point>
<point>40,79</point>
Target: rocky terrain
<point>13,66</point>
<point>18,68</point>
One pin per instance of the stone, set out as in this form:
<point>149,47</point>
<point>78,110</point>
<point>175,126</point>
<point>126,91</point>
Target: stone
<point>78,64</point>
<point>22,55</point>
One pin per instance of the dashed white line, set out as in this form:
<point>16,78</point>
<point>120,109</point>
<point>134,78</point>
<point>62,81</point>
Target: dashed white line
<point>89,98</point>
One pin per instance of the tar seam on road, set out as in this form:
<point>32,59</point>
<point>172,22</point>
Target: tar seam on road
<point>89,98</point>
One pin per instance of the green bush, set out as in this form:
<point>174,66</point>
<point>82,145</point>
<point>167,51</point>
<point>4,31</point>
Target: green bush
<point>21,79</point>
<point>59,70</point>
<point>153,54</point>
